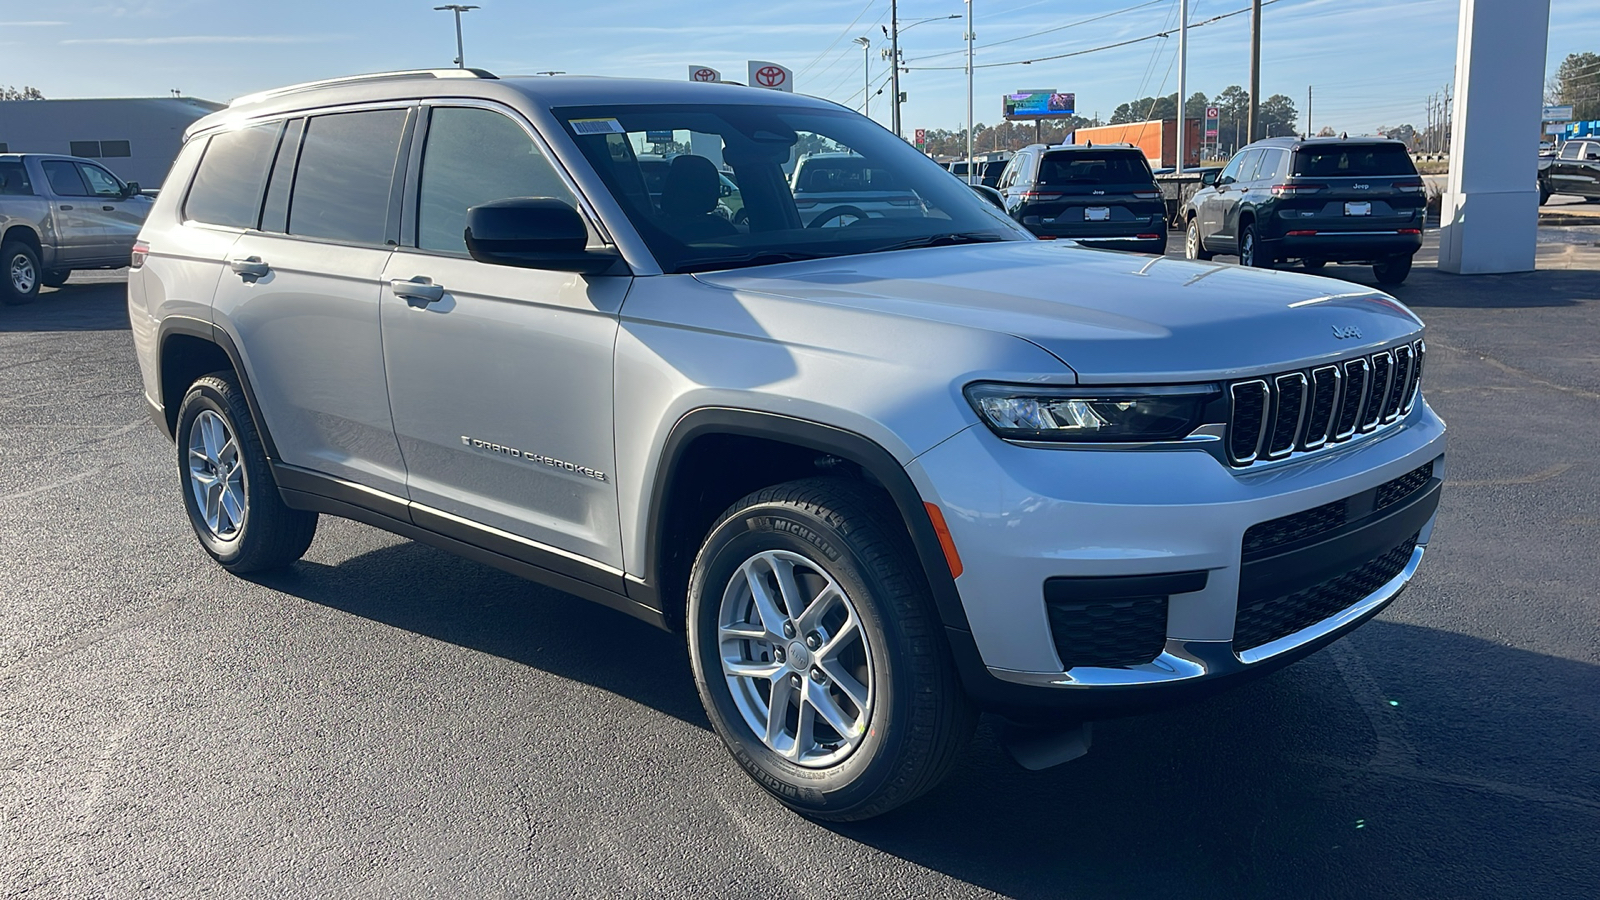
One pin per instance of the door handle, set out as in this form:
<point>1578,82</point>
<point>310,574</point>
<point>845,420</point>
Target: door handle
<point>65,207</point>
<point>109,208</point>
<point>419,291</point>
<point>249,266</point>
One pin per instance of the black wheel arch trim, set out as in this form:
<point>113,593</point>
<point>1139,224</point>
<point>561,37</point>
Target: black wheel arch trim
<point>826,439</point>
<point>207,331</point>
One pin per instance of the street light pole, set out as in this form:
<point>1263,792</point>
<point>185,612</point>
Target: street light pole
<point>1183,74</point>
<point>866,75</point>
<point>970,165</point>
<point>894,62</point>
<point>458,9</point>
<point>1254,129</point>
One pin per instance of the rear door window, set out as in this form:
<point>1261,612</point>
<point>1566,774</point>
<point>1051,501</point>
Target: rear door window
<point>1065,169</point>
<point>14,180</point>
<point>1270,166</point>
<point>1244,161</point>
<point>1353,161</point>
<point>1573,150</point>
<point>343,182</point>
<point>227,185</point>
<point>472,157</point>
<point>64,178</point>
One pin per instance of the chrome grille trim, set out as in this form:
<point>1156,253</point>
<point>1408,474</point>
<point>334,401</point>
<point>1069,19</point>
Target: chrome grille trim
<point>1312,410</point>
<point>1325,384</point>
<point>1286,390</point>
<point>1245,389</point>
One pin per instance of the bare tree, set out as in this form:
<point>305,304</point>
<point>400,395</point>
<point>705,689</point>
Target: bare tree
<point>27,93</point>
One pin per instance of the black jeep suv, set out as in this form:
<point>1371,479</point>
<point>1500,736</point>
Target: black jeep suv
<point>1101,196</point>
<point>1318,200</point>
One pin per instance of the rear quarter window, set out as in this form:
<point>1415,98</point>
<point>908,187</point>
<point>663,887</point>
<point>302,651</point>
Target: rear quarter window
<point>227,186</point>
<point>1353,161</point>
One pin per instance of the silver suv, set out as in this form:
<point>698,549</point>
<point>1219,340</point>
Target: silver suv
<point>882,476</point>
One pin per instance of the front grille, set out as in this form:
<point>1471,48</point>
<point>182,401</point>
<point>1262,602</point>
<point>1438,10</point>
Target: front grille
<point>1277,532</point>
<point>1265,621</point>
<point>1109,632</point>
<point>1299,412</point>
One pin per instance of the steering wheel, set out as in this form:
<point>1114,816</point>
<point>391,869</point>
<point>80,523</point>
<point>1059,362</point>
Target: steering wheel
<point>837,212</point>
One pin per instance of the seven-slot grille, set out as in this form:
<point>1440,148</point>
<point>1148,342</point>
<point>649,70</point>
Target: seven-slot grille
<point>1280,415</point>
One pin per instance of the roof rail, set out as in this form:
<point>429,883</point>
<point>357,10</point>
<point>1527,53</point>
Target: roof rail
<point>359,79</point>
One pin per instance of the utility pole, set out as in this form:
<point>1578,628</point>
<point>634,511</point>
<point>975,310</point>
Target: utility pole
<point>458,9</point>
<point>1254,128</point>
<point>865,43</point>
<point>970,165</point>
<point>894,61</point>
<point>1183,76</point>
<point>1309,132</point>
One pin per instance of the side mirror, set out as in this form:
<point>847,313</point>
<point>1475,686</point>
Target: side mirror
<point>534,233</point>
<point>991,195</point>
<point>726,191</point>
<point>1208,177</point>
<point>131,190</point>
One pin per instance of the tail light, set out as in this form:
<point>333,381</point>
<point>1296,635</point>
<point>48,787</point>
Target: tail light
<point>141,251</point>
<point>1414,186</point>
<point>1295,190</point>
<point>1039,195</point>
<point>1147,237</point>
<point>1300,233</point>
<point>1147,195</point>
<point>1410,231</point>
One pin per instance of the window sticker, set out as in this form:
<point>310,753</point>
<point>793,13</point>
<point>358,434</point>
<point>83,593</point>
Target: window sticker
<point>597,126</point>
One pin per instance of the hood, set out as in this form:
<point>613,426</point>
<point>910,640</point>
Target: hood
<point>1112,317</point>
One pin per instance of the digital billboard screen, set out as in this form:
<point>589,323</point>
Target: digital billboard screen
<point>1039,105</point>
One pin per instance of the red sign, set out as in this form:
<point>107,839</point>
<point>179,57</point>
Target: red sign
<point>770,76</point>
<point>1213,113</point>
<point>704,75</point>
<point>922,136</point>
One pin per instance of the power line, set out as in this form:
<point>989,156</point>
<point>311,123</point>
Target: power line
<point>1045,31</point>
<point>842,35</point>
<point>1131,41</point>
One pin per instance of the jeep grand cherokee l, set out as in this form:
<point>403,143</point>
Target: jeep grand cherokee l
<point>1100,196</point>
<point>882,476</point>
<point>1318,200</point>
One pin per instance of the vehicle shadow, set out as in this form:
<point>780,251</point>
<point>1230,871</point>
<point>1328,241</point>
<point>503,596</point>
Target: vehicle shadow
<point>1400,762</point>
<point>91,306</point>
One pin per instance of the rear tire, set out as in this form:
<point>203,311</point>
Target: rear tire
<point>228,489</point>
<point>19,274</point>
<point>844,632</point>
<point>1314,265</point>
<point>1193,247</point>
<point>1544,195</point>
<point>1393,271</point>
<point>1250,252</point>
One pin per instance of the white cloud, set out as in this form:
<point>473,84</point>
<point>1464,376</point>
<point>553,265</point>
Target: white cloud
<point>36,24</point>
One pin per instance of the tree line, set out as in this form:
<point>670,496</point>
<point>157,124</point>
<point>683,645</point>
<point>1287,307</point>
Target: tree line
<point>1278,117</point>
<point>7,92</point>
<point>1577,84</point>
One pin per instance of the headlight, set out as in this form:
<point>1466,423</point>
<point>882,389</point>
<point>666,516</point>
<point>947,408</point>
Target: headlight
<point>1030,413</point>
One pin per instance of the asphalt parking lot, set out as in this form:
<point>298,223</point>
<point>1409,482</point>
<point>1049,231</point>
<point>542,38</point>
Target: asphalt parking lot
<point>385,720</point>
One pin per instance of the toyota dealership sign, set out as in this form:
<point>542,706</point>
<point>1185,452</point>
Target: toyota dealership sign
<point>771,76</point>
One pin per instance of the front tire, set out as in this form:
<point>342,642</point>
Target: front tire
<point>1193,247</point>
<point>228,489</point>
<point>1314,265</point>
<point>54,278</point>
<point>19,274</point>
<point>817,652</point>
<point>1393,271</point>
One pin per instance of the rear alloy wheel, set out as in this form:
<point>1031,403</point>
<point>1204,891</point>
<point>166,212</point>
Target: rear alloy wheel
<point>19,274</point>
<point>1192,247</point>
<point>228,489</point>
<point>1250,252</point>
<point>817,652</point>
<point>1393,270</point>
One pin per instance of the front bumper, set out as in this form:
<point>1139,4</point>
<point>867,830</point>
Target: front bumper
<point>1040,514</point>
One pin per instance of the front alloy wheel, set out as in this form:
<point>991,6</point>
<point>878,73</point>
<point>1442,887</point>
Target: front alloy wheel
<point>795,658</point>
<point>818,654</point>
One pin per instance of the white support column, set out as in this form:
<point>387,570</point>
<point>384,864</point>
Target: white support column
<point>1490,212</point>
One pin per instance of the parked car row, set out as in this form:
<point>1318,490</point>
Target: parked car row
<point>1574,171</point>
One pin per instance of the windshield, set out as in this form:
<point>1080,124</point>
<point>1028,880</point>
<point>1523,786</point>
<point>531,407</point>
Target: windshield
<point>1079,167</point>
<point>715,187</point>
<point>1352,161</point>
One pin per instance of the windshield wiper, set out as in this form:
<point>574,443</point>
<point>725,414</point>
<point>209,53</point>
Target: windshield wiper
<point>758,258</point>
<point>947,239</point>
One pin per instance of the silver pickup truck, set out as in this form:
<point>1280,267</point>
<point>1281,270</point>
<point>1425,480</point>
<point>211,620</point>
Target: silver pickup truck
<point>60,213</point>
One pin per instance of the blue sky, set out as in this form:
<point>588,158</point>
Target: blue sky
<point>1373,62</point>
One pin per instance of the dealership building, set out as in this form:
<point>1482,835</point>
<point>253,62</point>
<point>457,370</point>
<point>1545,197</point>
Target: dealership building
<point>137,138</point>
